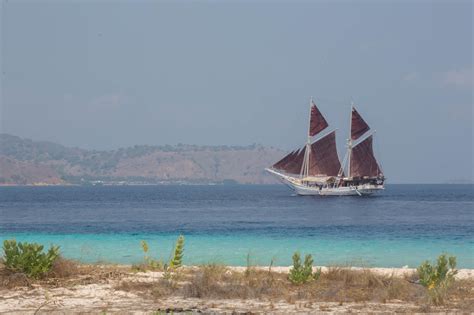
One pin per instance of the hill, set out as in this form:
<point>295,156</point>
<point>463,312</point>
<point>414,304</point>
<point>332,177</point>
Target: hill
<point>27,162</point>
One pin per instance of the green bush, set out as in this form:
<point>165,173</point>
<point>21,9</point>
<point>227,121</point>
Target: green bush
<point>302,273</point>
<point>176,257</point>
<point>178,253</point>
<point>29,258</point>
<point>438,278</point>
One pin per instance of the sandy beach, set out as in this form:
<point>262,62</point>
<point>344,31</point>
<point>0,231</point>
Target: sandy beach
<point>118,289</point>
<point>462,274</point>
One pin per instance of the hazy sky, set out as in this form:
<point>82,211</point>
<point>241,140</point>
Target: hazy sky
<point>102,75</point>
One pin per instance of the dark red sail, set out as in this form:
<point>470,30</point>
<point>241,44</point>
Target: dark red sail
<point>292,162</point>
<point>358,125</point>
<point>286,159</point>
<point>363,162</point>
<point>317,122</point>
<point>323,159</point>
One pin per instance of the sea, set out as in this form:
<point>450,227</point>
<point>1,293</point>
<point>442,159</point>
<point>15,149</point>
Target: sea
<point>244,224</point>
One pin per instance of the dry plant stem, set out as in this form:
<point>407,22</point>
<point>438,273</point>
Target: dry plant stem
<point>41,306</point>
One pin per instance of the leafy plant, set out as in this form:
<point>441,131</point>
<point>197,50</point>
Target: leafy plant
<point>438,278</point>
<point>29,258</point>
<point>150,262</point>
<point>145,247</point>
<point>178,253</point>
<point>302,273</point>
<point>176,258</point>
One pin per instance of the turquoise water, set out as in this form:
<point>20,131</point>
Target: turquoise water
<point>225,224</point>
<point>234,250</point>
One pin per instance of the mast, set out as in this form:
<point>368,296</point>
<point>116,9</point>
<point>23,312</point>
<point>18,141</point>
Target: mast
<point>349,143</point>
<point>305,168</point>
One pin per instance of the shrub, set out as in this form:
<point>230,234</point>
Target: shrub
<point>63,268</point>
<point>178,253</point>
<point>438,278</point>
<point>29,258</point>
<point>302,273</point>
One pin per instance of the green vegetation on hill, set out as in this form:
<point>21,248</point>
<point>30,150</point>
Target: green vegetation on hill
<point>24,161</point>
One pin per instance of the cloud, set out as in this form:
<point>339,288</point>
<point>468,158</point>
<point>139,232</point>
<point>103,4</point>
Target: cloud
<point>461,78</point>
<point>107,101</point>
<point>410,77</point>
<point>460,113</point>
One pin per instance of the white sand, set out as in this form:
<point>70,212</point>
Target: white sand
<point>103,297</point>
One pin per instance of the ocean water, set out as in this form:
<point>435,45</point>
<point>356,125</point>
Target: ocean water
<point>404,225</point>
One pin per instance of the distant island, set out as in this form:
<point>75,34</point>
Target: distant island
<point>28,162</point>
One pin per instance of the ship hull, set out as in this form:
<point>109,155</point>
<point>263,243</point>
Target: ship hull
<point>307,190</point>
<point>364,190</point>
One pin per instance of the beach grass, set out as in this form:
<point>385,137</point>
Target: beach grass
<point>218,283</point>
<point>431,287</point>
<point>336,284</point>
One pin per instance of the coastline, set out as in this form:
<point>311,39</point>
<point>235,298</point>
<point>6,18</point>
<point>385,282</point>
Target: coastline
<point>120,289</point>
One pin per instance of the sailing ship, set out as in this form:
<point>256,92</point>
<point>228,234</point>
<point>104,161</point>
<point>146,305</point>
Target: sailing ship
<point>315,169</point>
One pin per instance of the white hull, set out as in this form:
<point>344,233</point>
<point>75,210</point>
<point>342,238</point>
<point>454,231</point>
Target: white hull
<point>337,191</point>
<point>305,190</point>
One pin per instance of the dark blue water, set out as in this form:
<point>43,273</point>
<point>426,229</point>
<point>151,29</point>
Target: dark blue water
<point>403,226</point>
